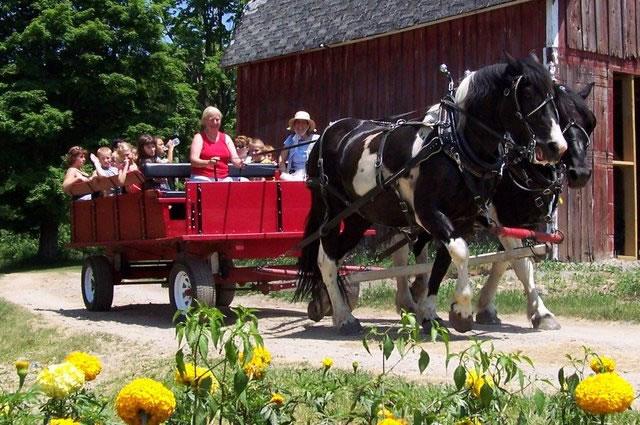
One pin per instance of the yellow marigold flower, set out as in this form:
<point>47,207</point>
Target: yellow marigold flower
<point>60,380</point>
<point>262,355</point>
<point>475,382</point>
<point>257,365</point>
<point>89,364</point>
<point>385,413</point>
<point>277,399</point>
<point>601,364</point>
<point>604,393</point>
<point>393,421</point>
<point>194,374</point>
<point>63,422</point>
<point>327,362</point>
<point>255,369</point>
<point>469,421</point>
<point>147,396</point>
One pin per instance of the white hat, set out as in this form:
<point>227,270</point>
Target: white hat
<point>303,116</point>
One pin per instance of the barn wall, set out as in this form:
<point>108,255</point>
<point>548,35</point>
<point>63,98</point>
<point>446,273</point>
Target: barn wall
<point>605,27</point>
<point>382,76</point>
<point>597,39</point>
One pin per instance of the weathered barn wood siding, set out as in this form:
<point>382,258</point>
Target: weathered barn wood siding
<point>382,76</point>
<point>606,27</point>
<point>597,39</point>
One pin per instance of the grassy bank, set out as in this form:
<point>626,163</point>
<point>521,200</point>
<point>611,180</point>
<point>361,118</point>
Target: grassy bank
<point>584,290</point>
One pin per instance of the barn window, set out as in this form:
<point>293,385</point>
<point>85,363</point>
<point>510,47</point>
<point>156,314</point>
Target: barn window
<point>626,115</point>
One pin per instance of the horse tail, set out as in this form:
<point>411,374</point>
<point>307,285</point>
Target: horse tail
<point>309,276</point>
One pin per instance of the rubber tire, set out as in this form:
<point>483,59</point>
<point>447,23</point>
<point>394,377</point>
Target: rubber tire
<point>98,267</point>
<point>197,275</point>
<point>225,293</point>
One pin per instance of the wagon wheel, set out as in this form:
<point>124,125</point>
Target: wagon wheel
<point>190,279</point>
<point>225,292</point>
<point>97,283</point>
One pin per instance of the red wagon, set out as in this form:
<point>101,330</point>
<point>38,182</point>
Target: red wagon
<point>188,239</point>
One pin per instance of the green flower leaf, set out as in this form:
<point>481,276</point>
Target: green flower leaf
<point>459,377</point>
<point>423,361</point>
<point>240,381</point>
<point>387,346</point>
<point>486,394</point>
<point>180,361</point>
<point>539,399</point>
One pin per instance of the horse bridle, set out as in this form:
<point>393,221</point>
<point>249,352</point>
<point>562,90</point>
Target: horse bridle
<point>529,151</point>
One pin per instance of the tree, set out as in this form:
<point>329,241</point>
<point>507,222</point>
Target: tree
<point>77,72</point>
<point>199,31</point>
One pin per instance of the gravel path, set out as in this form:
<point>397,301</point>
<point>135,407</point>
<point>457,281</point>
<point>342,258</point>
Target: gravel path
<point>142,314</point>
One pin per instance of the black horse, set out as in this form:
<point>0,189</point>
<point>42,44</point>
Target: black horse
<point>436,180</point>
<point>526,197</point>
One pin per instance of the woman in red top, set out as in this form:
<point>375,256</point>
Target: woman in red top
<point>212,150</point>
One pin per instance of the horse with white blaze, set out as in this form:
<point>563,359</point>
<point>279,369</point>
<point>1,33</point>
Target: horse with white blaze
<point>436,180</point>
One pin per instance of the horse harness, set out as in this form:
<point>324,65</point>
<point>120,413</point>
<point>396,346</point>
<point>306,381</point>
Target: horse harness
<point>480,177</point>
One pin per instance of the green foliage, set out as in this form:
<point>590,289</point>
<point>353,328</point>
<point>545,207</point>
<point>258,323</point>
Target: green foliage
<point>199,31</point>
<point>77,72</point>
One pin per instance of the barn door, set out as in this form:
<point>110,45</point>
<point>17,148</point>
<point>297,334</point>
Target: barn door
<point>625,165</point>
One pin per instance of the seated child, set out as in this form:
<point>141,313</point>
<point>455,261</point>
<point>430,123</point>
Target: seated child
<point>268,156</point>
<point>105,168</point>
<point>125,163</point>
<point>242,146</point>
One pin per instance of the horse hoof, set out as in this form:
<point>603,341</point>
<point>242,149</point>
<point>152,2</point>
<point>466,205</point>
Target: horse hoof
<point>427,324</point>
<point>487,317</point>
<point>350,328</point>
<point>315,311</point>
<point>546,323</point>
<point>460,323</point>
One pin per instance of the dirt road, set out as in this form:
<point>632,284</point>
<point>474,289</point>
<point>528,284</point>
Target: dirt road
<point>142,314</point>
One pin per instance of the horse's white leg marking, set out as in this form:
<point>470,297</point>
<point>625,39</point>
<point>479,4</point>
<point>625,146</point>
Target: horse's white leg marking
<point>365,178</point>
<point>459,252</point>
<point>404,300</point>
<point>329,269</point>
<point>525,272</point>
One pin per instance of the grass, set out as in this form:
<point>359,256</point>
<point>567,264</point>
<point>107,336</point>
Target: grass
<point>585,290</point>
<point>27,336</point>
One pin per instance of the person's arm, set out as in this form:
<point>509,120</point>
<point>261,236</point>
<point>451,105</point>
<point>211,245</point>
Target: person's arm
<point>170,153</point>
<point>72,176</point>
<point>96,163</point>
<point>194,153</point>
<point>235,159</point>
<point>284,155</point>
<point>122,174</point>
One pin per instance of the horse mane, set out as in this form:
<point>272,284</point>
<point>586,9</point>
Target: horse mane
<point>485,80</point>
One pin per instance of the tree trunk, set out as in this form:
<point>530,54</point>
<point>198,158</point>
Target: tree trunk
<point>48,243</point>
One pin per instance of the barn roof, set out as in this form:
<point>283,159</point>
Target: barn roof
<point>271,28</point>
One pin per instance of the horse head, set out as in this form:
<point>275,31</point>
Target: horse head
<point>577,122</point>
<point>529,112</point>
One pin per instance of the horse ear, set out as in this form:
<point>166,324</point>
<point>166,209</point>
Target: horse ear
<point>533,56</point>
<point>586,90</point>
<point>514,67</point>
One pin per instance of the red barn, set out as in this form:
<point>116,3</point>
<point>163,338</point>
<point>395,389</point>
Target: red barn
<point>379,58</point>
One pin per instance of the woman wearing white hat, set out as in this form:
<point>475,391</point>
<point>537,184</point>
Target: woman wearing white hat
<point>292,161</point>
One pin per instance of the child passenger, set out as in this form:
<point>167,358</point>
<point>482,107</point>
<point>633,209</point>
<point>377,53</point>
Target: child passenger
<point>105,168</point>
